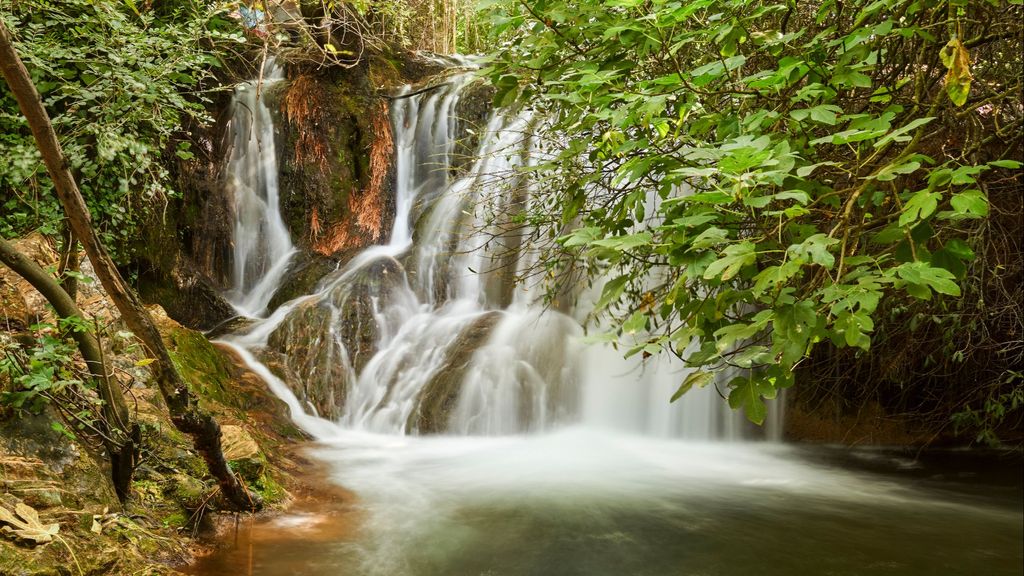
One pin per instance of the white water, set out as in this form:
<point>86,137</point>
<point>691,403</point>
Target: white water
<point>560,458</point>
<point>262,244</point>
<point>531,373</point>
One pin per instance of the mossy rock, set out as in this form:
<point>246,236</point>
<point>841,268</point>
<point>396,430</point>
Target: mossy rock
<point>47,469</point>
<point>312,364</point>
<point>208,371</point>
<point>326,132</point>
<point>323,344</point>
<point>304,273</point>
<point>375,285</point>
<point>438,398</point>
<point>187,295</point>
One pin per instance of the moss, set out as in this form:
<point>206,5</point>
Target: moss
<point>269,489</point>
<point>187,491</point>
<point>204,366</point>
<point>175,520</point>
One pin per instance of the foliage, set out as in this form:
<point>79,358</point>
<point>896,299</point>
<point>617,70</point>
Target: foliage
<point>47,373</point>
<point>341,33</point>
<point>755,178</point>
<point>118,84</point>
<point>42,372</point>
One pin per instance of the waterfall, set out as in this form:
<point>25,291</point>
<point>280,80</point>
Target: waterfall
<point>262,246</point>
<point>429,333</point>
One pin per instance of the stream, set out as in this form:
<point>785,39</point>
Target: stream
<point>481,437</point>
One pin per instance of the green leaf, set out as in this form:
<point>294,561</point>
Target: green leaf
<point>733,259</point>
<point>581,236</point>
<point>816,249</point>
<point>711,237</point>
<point>635,323</point>
<point>947,260</point>
<point>823,114</point>
<point>747,393</point>
<point>696,378</point>
<point>611,292</point>
<point>623,243</point>
<point>920,206</point>
<point>900,134</point>
<point>971,203</point>
<point>1010,164</point>
<point>892,171</point>
<point>959,248</point>
<point>924,275</point>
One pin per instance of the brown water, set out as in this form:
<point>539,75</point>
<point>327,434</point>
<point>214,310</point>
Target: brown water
<point>600,505</point>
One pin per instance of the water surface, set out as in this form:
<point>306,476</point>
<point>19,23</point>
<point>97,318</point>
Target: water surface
<point>587,502</point>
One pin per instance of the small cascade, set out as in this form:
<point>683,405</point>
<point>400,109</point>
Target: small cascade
<point>262,244</point>
<point>430,333</point>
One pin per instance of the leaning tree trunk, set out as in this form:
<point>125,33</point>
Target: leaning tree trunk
<point>122,443</point>
<point>185,412</point>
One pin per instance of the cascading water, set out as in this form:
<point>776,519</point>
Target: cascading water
<point>428,334</point>
<point>262,245</point>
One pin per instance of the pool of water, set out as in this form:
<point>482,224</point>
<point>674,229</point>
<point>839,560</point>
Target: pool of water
<point>589,502</point>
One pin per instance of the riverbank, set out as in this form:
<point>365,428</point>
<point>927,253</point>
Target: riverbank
<point>58,470</point>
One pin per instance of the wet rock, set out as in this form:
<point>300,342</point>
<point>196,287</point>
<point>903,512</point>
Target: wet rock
<point>233,325</point>
<point>371,288</point>
<point>439,397</point>
<point>304,273</point>
<point>310,359</point>
<point>323,344</point>
<point>187,294</point>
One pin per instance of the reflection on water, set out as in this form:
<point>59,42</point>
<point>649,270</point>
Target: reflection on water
<point>585,502</point>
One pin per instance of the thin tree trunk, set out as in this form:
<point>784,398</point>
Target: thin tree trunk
<point>184,409</point>
<point>69,261</point>
<point>123,433</point>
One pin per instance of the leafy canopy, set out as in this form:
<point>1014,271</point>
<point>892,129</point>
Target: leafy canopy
<point>754,177</point>
<point>118,85</point>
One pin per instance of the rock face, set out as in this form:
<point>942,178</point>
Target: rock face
<point>305,271</point>
<point>335,159</point>
<point>439,397</point>
<point>187,294</point>
<point>325,342</point>
<point>15,315</point>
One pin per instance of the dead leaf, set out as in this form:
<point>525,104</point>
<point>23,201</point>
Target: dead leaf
<point>955,57</point>
<point>28,526</point>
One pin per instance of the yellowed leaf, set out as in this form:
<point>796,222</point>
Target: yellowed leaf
<point>957,60</point>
